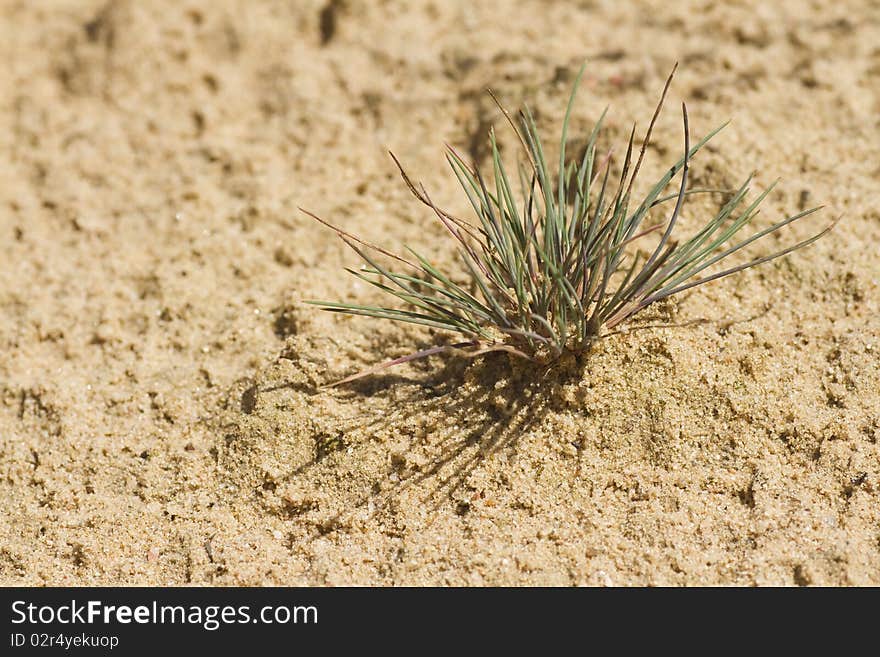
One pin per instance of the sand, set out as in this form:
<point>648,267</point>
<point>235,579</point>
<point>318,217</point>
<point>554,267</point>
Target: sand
<point>162,420</point>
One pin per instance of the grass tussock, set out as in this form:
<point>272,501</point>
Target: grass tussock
<point>556,253</point>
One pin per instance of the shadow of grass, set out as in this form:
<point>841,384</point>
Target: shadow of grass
<point>485,407</point>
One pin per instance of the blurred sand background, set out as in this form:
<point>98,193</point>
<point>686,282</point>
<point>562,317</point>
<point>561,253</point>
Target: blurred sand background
<point>161,420</point>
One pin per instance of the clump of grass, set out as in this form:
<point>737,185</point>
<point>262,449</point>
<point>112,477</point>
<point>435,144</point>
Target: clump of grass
<point>549,268</point>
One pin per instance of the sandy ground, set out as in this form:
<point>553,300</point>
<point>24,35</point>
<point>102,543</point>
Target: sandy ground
<point>161,420</point>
